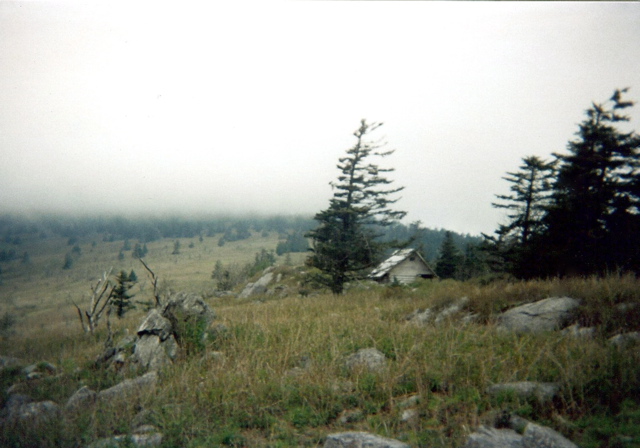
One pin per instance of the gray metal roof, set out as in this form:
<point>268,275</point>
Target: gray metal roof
<point>397,257</point>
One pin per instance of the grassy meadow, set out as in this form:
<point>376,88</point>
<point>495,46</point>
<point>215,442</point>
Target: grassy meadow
<point>276,376</point>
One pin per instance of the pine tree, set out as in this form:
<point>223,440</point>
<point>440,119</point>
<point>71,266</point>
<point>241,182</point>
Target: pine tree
<point>450,259</point>
<point>527,204</point>
<point>596,196</point>
<point>120,297</point>
<point>345,244</point>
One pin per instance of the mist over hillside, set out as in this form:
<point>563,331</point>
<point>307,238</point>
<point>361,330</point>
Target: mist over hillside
<point>16,228</point>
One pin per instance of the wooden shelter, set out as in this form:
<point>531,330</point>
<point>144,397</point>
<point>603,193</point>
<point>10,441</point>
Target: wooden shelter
<point>404,266</point>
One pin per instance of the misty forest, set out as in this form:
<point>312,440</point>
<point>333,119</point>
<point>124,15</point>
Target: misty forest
<point>252,330</point>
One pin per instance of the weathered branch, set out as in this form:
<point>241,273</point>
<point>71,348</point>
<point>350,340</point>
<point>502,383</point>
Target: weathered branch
<point>154,281</point>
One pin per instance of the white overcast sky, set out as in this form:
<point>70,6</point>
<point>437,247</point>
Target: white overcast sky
<point>247,106</point>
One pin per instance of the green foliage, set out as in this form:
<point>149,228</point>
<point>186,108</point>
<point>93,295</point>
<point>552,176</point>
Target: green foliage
<point>587,221</point>
<point>450,259</point>
<point>120,296</point>
<point>68,261</point>
<point>346,244</point>
<point>295,242</point>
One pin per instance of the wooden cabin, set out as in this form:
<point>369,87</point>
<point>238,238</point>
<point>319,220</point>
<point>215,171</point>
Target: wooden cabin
<point>404,266</point>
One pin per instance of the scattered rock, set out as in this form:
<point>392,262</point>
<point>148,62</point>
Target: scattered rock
<point>420,317</point>
<point>142,384</point>
<point>485,437</point>
<point>361,440</point>
<point>544,315</point>
<point>153,353</point>
<point>576,331</point>
<point>21,408</point>
<point>183,307</point>
<point>136,440</point>
<point>155,324</point>
<point>259,287</point>
<point>451,310</point>
<point>7,362</point>
<point>368,358</point>
<point>543,392</point>
<point>425,316</point>
<point>409,415</point>
<point>540,436</point>
<point>625,339</point>
<point>81,399</point>
<point>516,432</point>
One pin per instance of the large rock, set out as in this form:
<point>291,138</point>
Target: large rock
<point>361,440</point>
<point>485,437</point>
<point>184,311</point>
<point>515,432</point>
<point>545,315</point>
<point>367,358</point>
<point>155,324</point>
<point>81,398</point>
<point>259,287</point>
<point>134,440</point>
<point>536,436</point>
<point>124,390</point>
<point>21,408</point>
<point>542,392</point>
<point>152,353</point>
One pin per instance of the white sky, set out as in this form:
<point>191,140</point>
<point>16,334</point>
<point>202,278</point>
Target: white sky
<point>247,106</point>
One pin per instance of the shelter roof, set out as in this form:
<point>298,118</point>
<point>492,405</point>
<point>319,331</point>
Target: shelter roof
<point>396,258</point>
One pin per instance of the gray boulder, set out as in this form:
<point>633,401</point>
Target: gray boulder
<point>361,440</point>
<point>536,436</point>
<point>367,358</point>
<point>147,439</point>
<point>143,384</point>
<point>485,437</point>
<point>155,324</point>
<point>7,362</point>
<point>81,398</point>
<point>152,353</point>
<point>259,287</point>
<point>21,408</point>
<point>516,432</point>
<point>625,339</point>
<point>543,392</point>
<point>544,315</point>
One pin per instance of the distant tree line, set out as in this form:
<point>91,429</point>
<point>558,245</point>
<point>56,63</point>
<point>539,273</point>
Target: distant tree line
<point>578,214</point>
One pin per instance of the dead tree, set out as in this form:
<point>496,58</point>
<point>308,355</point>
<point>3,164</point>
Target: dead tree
<point>101,295</point>
<point>154,282</point>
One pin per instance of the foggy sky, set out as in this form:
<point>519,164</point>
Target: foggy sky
<point>247,106</point>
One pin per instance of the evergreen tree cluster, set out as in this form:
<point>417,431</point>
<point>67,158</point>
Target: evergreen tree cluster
<point>294,242</point>
<point>580,213</point>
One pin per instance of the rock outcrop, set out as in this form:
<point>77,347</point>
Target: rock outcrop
<point>361,440</point>
<point>515,432</point>
<point>541,392</point>
<point>549,314</point>
<point>259,287</point>
<point>367,358</point>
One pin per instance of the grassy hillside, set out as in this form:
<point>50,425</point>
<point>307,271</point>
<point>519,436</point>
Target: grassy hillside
<point>276,377</point>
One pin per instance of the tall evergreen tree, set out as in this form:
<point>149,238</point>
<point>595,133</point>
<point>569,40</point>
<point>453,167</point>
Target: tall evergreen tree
<point>596,197</point>
<point>450,259</point>
<point>120,296</point>
<point>345,244</point>
<point>531,192</point>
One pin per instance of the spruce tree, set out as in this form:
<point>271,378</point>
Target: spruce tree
<point>450,259</point>
<point>345,244</point>
<point>515,241</point>
<point>120,297</point>
<point>596,198</point>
